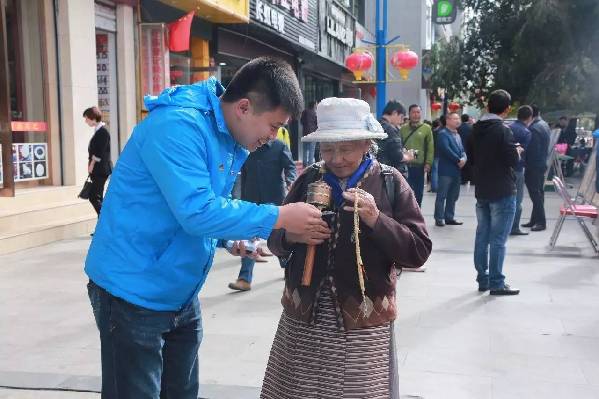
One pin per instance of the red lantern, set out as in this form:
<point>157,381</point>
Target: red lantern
<point>404,61</point>
<point>454,107</point>
<point>358,63</point>
<point>436,106</point>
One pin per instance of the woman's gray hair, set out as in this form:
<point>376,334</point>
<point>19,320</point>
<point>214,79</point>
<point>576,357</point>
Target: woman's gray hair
<point>374,148</point>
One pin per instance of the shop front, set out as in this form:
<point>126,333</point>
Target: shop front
<point>26,139</point>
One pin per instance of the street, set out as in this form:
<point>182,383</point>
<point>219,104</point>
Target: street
<point>453,341</point>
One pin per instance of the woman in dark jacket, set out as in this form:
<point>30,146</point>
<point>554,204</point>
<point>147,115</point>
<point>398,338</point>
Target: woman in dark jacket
<point>335,337</point>
<point>99,165</point>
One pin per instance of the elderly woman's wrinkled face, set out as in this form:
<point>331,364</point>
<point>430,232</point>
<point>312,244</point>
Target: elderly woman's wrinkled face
<point>344,158</point>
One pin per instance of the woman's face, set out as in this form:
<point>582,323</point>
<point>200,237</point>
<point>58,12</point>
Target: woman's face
<point>343,158</point>
<point>90,123</point>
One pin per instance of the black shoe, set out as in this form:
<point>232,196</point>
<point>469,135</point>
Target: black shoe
<point>439,223</point>
<point>453,223</point>
<point>538,227</point>
<point>527,225</point>
<point>483,288</point>
<point>506,290</point>
<point>518,233</point>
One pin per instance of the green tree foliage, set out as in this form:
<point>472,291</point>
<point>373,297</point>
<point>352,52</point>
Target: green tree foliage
<point>542,51</point>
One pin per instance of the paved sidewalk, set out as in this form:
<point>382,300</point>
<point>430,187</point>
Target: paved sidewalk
<point>453,341</point>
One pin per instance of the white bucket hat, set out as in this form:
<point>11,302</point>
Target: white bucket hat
<point>345,119</point>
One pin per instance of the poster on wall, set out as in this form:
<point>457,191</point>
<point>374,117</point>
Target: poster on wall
<point>30,161</point>
<point>154,59</point>
<point>103,72</point>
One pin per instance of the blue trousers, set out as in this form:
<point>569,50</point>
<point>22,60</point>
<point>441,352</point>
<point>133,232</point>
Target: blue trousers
<point>448,193</point>
<point>495,220</point>
<point>147,354</point>
<point>416,181</point>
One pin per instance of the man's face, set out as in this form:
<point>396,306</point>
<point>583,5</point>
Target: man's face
<point>396,118</point>
<point>453,121</point>
<point>563,123</point>
<point>255,129</point>
<point>415,115</point>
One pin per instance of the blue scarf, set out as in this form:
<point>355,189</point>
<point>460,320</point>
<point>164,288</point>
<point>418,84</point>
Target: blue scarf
<point>353,180</point>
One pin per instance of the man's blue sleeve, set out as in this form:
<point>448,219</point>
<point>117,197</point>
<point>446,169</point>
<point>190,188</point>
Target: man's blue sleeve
<point>175,154</point>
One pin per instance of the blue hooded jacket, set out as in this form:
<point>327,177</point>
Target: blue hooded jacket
<point>168,202</point>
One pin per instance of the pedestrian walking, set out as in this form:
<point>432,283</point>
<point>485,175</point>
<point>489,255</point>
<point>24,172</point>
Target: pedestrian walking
<point>99,164</point>
<point>493,154</point>
<point>535,168</point>
<point>266,177</point>
<point>452,159</point>
<point>309,124</point>
<point>167,209</point>
<point>391,150</point>
<point>418,136</point>
<point>522,137</point>
<point>335,337</point>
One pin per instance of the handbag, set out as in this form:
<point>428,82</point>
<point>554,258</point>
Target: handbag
<point>87,189</point>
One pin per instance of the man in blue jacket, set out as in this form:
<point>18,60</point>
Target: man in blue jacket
<point>167,207</point>
<point>452,159</point>
<point>521,136</point>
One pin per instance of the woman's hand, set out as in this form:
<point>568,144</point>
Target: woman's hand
<point>90,167</point>
<point>367,209</point>
<point>317,235</point>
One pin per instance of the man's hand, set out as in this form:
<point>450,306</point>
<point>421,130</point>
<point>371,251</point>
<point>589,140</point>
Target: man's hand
<point>462,163</point>
<point>408,156</point>
<point>300,218</point>
<point>238,249</point>
<point>427,168</point>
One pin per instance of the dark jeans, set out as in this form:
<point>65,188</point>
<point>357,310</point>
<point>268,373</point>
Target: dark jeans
<point>146,354</point>
<point>448,193</point>
<point>519,197</point>
<point>495,220</point>
<point>416,181</point>
<point>535,183</point>
<point>96,195</point>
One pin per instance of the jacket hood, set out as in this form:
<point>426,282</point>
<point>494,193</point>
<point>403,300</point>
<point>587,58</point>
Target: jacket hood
<point>197,95</point>
<point>482,126</point>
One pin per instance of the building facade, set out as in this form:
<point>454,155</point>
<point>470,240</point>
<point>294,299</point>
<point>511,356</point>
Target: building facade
<point>59,57</point>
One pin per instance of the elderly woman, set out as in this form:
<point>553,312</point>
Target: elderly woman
<point>335,338</point>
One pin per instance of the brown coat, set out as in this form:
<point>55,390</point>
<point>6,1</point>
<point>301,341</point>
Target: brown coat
<point>399,239</point>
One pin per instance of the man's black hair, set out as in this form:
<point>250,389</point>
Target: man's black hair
<point>413,106</point>
<point>465,118</point>
<point>499,102</point>
<point>524,112</point>
<point>563,118</point>
<point>269,83</point>
<point>536,111</point>
<point>394,106</point>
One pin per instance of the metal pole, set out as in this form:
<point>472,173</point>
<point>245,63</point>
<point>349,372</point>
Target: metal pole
<point>381,67</point>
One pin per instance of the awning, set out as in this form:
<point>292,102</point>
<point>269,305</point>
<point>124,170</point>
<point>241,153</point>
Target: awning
<point>216,11</point>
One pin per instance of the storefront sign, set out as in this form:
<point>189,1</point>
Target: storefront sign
<point>28,126</point>
<point>154,59</point>
<point>103,72</point>
<point>270,16</point>
<point>337,27</point>
<point>293,20</point>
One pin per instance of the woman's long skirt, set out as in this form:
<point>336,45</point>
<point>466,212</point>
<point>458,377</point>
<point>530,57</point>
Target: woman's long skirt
<point>321,361</point>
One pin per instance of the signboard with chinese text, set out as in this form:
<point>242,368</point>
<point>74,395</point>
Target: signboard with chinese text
<point>154,59</point>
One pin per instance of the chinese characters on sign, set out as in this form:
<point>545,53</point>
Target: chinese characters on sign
<point>103,71</point>
<point>337,26</point>
<point>28,126</point>
<point>154,59</point>
<point>272,12</point>
<point>270,16</point>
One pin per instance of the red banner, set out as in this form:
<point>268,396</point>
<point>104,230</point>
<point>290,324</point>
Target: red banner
<point>179,32</point>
